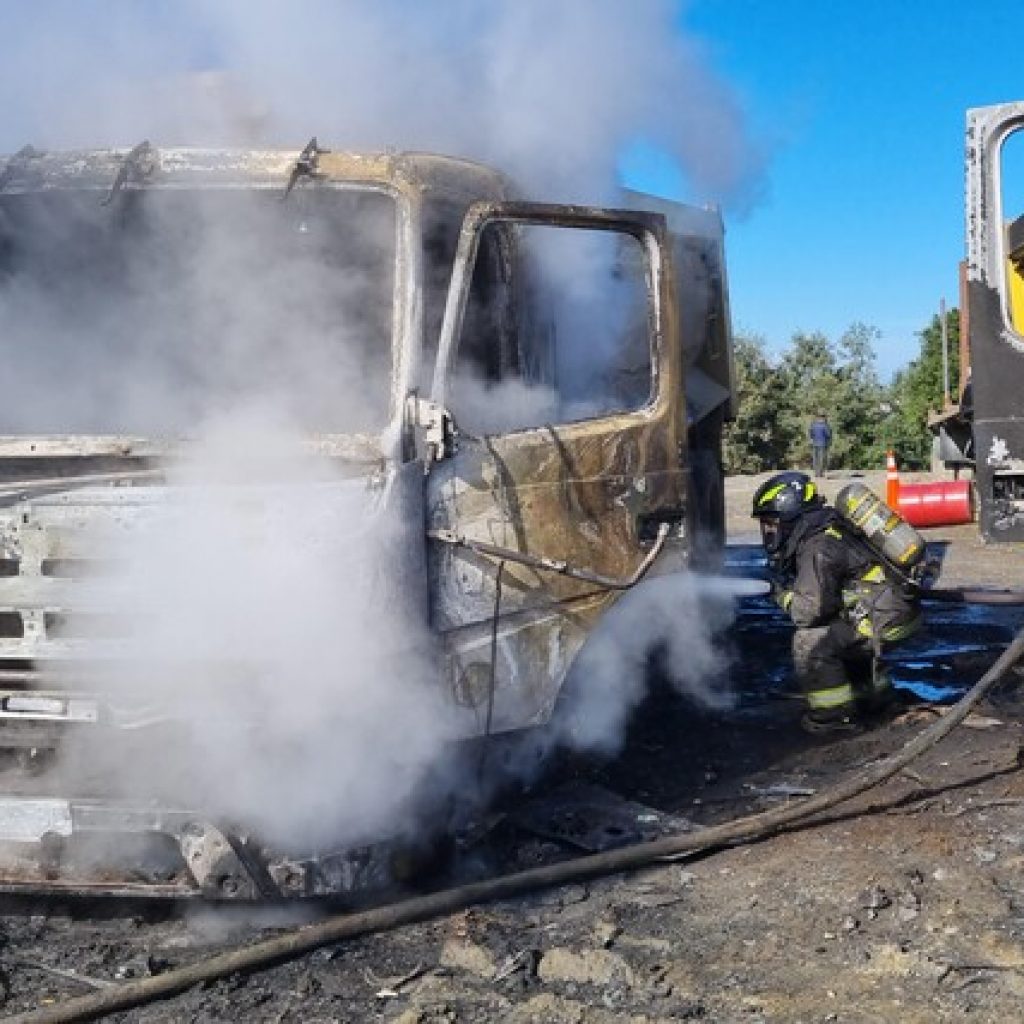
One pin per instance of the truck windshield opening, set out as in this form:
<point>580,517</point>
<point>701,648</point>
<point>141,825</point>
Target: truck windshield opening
<point>147,315</point>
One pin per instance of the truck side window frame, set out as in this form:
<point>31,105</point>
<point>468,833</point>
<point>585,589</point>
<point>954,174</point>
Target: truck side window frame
<point>440,245</point>
<point>1010,232</point>
<point>988,235</point>
<point>483,216</point>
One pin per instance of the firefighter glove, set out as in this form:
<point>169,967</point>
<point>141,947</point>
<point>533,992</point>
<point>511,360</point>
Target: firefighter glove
<point>781,595</point>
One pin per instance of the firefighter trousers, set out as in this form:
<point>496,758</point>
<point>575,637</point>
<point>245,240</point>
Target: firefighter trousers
<point>834,665</point>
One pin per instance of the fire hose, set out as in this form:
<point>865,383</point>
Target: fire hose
<point>297,942</point>
<point>974,595</point>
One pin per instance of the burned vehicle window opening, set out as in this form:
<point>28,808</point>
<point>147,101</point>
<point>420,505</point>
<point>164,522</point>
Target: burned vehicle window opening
<point>172,304</point>
<point>572,308</point>
<point>489,327</point>
<point>1011,202</point>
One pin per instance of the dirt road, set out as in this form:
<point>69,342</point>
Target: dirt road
<point>905,906</point>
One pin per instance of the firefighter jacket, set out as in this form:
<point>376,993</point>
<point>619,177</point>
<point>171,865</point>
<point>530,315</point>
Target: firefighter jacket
<point>827,574</point>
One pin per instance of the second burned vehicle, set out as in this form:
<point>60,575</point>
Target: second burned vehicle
<point>983,428</point>
<point>531,397</point>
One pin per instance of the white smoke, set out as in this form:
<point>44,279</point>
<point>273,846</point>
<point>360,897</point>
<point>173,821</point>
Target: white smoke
<point>201,302</point>
<point>275,643</point>
<point>264,615</point>
<point>670,628</point>
<point>549,92</point>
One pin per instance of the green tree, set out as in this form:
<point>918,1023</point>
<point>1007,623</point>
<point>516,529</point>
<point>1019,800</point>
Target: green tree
<point>778,398</point>
<point>839,380</point>
<point>754,441</point>
<point>861,398</point>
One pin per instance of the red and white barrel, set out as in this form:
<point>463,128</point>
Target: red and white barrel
<point>941,503</point>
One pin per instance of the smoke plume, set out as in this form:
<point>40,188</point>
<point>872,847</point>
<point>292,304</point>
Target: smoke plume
<point>276,610</point>
<point>668,627</point>
<point>549,92</point>
<point>275,642</point>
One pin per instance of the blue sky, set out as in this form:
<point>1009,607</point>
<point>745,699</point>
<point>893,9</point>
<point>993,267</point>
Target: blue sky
<point>858,105</point>
<point>862,106</point>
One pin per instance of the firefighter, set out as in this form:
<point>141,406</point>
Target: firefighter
<point>844,601</point>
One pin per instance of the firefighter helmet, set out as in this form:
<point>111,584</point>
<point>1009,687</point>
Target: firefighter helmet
<point>779,502</point>
<point>786,496</point>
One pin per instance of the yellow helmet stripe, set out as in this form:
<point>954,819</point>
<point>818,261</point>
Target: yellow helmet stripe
<point>772,492</point>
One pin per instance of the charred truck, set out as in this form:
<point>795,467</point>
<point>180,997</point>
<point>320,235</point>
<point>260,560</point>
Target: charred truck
<point>985,428</point>
<point>525,519</point>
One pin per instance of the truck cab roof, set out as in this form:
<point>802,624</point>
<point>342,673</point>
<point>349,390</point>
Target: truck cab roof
<point>31,170</point>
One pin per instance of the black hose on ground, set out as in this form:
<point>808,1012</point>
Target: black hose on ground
<point>280,948</point>
<point>974,595</point>
<point>942,595</point>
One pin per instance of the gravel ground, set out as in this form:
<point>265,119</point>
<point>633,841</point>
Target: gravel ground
<point>905,905</point>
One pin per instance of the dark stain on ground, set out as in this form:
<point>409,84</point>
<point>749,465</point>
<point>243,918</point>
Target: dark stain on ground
<point>681,760</point>
<point>690,761</point>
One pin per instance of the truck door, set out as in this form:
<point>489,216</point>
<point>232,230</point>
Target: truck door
<point>705,337</point>
<point>568,458</point>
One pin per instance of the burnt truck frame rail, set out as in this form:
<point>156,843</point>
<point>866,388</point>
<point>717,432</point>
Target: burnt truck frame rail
<point>517,541</point>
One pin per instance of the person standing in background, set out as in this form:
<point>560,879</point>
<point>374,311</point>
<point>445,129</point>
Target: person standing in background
<point>820,434</point>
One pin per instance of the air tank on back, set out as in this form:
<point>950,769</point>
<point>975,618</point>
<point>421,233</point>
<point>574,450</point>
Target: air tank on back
<point>886,531</point>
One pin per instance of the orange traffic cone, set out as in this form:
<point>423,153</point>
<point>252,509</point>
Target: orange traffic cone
<point>892,480</point>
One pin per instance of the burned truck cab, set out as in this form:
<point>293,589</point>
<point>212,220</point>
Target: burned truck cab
<point>533,393</point>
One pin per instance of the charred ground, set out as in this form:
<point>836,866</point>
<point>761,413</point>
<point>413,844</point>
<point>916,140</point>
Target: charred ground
<point>904,905</point>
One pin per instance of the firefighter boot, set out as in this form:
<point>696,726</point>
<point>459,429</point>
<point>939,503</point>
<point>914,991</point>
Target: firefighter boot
<point>834,721</point>
<point>880,698</point>
<point>832,709</point>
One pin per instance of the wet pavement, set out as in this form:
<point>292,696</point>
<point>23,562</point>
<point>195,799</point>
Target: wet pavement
<point>940,663</point>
